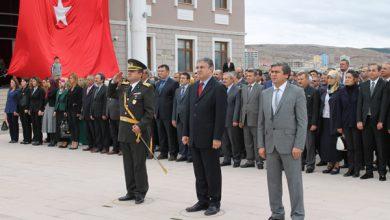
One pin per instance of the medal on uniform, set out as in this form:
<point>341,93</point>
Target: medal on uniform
<point>134,102</point>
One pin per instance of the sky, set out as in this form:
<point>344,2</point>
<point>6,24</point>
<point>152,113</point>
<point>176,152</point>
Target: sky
<point>342,23</point>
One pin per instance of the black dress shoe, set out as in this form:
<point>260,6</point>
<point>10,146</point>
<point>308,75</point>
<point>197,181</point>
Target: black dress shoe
<point>335,171</point>
<point>181,159</point>
<point>248,164</point>
<point>225,163</point>
<point>189,160</point>
<point>37,143</point>
<point>162,157</point>
<point>172,158</point>
<point>236,164</point>
<point>197,207</point>
<point>260,166</point>
<point>348,173</point>
<point>321,164</point>
<point>356,174</point>
<point>309,170</point>
<point>328,170</point>
<point>382,177</point>
<point>52,144</point>
<point>139,200</point>
<point>126,198</point>
<point>211,210</point>
<point>367,176</point>
<point>270,218</point>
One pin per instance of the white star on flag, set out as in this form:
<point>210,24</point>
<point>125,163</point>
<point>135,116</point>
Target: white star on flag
<point>60,12</point>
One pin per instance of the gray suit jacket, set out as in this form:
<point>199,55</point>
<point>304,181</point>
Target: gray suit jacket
<point>180,105</point>
<point>287,128</point>
<point>250,105</point>
<point>233,106</point>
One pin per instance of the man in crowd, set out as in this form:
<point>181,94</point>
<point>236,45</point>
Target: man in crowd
<point>136,114</point>
<point>231,144</point>
<point>99,114</point>
<point>203,130</point>
<point>228,66</point>
<point>240,77</point>
<point>248,120</point>
<point>179,113</point>
<point>281,139</point>
<point>113,119</point>
<point>344,67</point>
<point>165,91</point>
<point>86,112</point>
<point>313,109</point>
<point>218,75</point>
<point>370,119</point>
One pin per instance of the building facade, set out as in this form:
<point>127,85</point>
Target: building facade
<point>178,32</point>
<point>251,60</point>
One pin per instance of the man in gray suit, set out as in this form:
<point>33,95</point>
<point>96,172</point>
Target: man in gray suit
<point>179,111</point>
<point>250,97</point>
<point>231,143</point>
<point>281,139</point>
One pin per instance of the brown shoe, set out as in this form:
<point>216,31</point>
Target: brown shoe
<point>104,151</point>
<point>94,150</point>
<point>112,152</point>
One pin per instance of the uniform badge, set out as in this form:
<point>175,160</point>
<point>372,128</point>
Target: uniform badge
<point>134,102</point>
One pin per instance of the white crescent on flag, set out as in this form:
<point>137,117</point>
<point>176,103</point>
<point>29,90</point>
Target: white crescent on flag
<point>60,12</point>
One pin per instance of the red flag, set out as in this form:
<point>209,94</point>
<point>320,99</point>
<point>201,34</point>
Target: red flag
<point>77,31</point>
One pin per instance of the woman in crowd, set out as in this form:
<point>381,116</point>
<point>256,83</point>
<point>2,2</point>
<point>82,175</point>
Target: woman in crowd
<point>49,120</point>
<point>60,112</point>
<point>74,109</point>
<point>346,122</point>
<point>36,109</point>
<point>11,110</point>
<point>25,118</point>
<point>329,134</point>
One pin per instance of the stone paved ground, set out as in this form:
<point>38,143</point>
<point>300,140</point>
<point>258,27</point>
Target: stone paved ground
<point>51,183</point>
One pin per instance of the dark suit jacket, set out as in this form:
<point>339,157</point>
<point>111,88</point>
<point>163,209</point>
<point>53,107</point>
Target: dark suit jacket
<point>112,110</point>
<point>24,99</point>
<point>87,101</point>
<point>346,107</point>
<point>386,105</point>
<point>75,100</point>
<point>180,107</point>
<point>333,99</point>
<point>228,68</point>
<point>99,102</point>
<point>37,100</point>
<point>366,102</point>
<point>207,113</point>
<point>313,106</point>
<point>233,109</point>
<point>164,100</point>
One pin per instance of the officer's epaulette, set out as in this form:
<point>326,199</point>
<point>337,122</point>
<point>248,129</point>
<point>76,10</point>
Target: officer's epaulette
<point>146,84</point>
<point>125,83</point>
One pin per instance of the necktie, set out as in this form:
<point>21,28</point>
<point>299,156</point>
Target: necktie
<point>372,87</point>
<point>200,88</point>
<point>182,91</point>
<point>161,86</point>
<point>249,90</point>
<point>276,100</point>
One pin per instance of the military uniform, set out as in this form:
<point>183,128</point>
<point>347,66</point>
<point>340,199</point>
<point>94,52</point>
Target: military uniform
<point>136,107</point>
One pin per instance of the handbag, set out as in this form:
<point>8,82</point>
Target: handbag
<point>4,126</point>
<point>340,144</point>
<point>64,129</point>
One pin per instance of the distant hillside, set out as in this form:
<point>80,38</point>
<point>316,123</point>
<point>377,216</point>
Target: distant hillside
<point>269,53</point>
<point>382,50</point>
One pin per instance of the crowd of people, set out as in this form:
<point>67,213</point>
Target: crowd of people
<point>344,104</point>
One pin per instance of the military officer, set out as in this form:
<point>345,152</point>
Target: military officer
<point>136,113</point>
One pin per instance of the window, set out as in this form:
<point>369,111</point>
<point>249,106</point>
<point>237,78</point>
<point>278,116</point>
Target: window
<point>221,53</point>
<point>149,51</point>
<point>221,4</point>
<point>185,55</point>
<point>185,1</point>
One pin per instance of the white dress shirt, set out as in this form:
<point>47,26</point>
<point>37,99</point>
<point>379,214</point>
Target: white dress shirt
<point>280,92</point>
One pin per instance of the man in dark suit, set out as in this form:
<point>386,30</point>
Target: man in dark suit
<point>136,113</point>
<point>231,143</point>
<point>113,119</point>
<point>99,115</point>
<point>240,77</point>
<point>370,120</point>
<point>203,130</point>
<point>165,91</point>
<point>86,112</point>
<point>313,105</point>
<point>228,66</point>
<point>179,112</point>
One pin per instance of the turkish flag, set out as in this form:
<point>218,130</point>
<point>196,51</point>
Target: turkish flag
<point>77,31</point>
